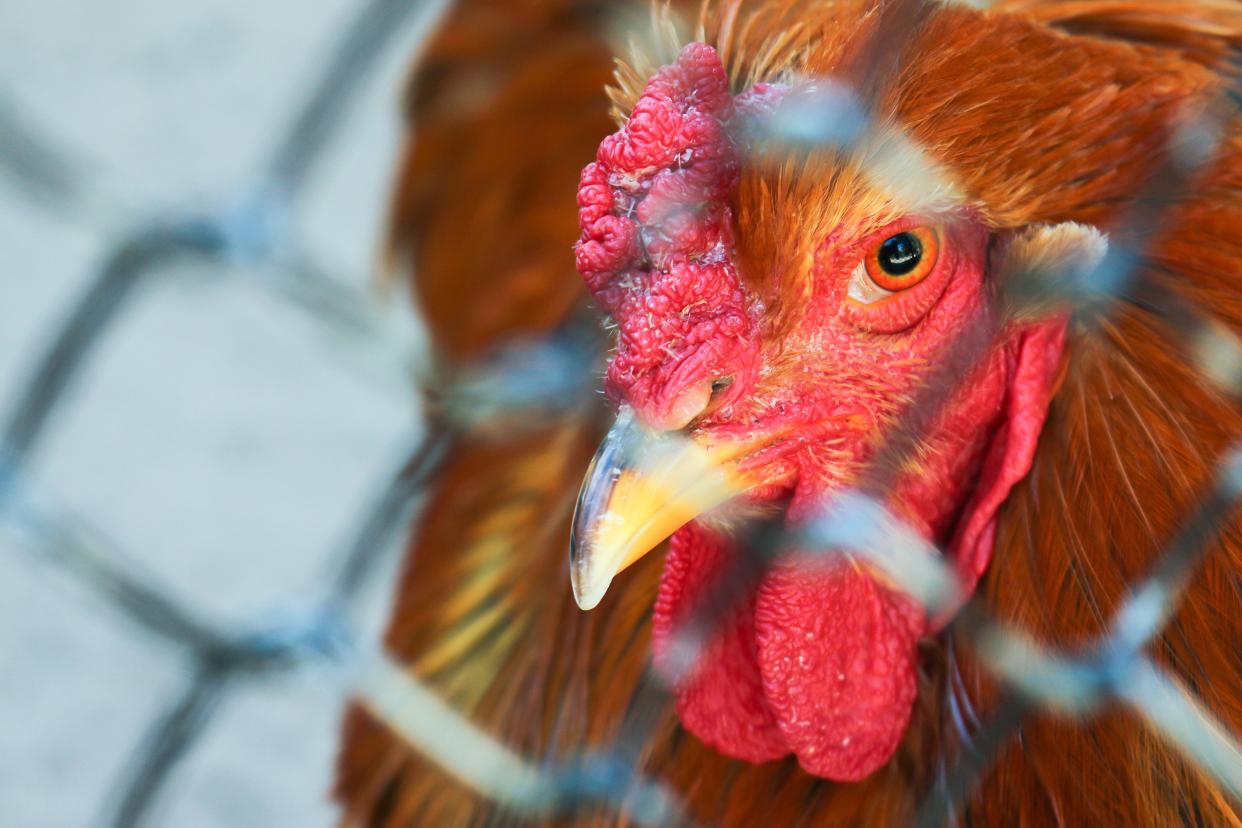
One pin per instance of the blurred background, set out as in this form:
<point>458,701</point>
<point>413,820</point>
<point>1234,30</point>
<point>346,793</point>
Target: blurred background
<point>229,428</point>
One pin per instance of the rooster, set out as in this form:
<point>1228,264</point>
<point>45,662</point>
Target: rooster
<point>777,309</point>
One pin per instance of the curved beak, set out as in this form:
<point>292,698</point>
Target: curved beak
<point>641,487</point>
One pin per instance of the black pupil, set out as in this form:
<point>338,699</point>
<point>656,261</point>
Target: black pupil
<point>900,254</point>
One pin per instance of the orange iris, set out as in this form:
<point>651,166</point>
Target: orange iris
<point>903,260</point>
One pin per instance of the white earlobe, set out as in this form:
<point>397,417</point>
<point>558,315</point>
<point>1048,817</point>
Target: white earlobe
<point>1046,266</point>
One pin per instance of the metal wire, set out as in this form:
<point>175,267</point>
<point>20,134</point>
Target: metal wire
<point>1113,670</point>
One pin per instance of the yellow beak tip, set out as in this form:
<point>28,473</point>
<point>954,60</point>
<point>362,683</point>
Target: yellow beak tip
<point>641,487</point>
<point>589,598</point>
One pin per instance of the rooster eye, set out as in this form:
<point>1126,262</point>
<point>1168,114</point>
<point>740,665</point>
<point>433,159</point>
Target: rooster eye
<point>903,260</point>
<point>900,254</point>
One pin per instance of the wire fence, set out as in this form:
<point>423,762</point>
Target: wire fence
<point>253,226</point>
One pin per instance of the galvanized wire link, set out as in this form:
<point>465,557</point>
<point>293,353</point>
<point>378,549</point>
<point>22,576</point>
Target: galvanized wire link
<point>170,737</point>
<point>535,378</point>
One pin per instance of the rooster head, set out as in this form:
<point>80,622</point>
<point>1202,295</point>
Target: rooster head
<point>776,318</point>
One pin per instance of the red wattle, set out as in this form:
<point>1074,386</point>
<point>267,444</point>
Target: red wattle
<point>820,663</point>
<point>837,653</point>
<point>722,703</point>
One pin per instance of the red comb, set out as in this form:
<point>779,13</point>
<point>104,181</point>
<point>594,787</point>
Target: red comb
<point>657,246</point>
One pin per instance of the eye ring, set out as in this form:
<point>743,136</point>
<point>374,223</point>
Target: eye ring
<point>904,259</point>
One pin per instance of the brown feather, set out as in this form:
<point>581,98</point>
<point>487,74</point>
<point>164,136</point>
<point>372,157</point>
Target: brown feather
<point>483,211</point>
<point>483,204</point>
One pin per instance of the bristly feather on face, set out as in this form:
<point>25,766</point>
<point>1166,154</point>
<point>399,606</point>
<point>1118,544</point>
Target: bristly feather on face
<point>783,306</point>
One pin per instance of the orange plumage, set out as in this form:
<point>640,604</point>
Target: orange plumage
<point>1043,111</point>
